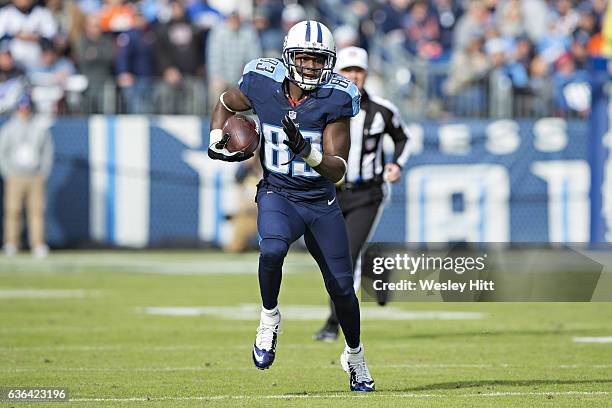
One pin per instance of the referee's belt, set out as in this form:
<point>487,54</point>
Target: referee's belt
<point>361,185</point>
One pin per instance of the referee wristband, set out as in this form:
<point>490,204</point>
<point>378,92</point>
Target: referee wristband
<point>215,136</point>
<point>314,158</point>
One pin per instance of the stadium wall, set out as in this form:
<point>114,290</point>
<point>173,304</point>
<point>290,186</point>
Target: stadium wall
<point>599,157</point>
<point>136,181</point>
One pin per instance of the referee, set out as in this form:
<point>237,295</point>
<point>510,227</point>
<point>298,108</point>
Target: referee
<point>361,195</point>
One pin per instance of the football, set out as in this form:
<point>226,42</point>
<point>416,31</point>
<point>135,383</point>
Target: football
<point>244,136</point>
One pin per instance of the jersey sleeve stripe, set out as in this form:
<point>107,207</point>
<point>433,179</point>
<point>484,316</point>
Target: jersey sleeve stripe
<point>351,89</point>
<point>278,74</point>
<point>356,100</point>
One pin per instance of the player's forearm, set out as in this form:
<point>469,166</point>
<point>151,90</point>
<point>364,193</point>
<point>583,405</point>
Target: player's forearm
<point>219,116</point>
<point>228,104</point>
<point>332,168</point>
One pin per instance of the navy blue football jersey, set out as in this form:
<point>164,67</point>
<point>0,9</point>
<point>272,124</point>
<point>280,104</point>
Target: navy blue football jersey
<point>262,83</point>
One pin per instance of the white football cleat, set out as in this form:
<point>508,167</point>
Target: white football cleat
<point>359,375</point>
<point>264,349</point>
<point>40,251</point>
<point>9,250</point>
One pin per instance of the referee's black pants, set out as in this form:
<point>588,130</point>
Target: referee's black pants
<point>360,207</point>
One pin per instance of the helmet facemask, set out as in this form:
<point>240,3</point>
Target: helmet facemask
<point>301,75</point>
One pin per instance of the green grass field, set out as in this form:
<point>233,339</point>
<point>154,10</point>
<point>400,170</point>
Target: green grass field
<point>170,329</point>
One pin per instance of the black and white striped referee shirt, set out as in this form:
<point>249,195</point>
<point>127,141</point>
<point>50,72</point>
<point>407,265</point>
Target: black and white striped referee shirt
<point>376,118</point>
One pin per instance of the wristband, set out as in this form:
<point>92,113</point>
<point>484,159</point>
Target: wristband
<point>314,158</point>
<point>224,105</point>
<point>345,165</point>
<point>215,136</point>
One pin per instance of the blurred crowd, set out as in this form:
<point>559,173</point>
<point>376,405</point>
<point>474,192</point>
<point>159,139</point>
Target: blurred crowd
<point>177,56</point>
<point>537,48</point>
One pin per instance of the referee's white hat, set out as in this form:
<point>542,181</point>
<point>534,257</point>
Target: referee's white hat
<point>352,57</point>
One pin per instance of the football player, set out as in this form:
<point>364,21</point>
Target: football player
<point>304,110</point>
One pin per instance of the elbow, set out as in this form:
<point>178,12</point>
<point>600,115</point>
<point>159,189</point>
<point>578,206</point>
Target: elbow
<point>337,179</point>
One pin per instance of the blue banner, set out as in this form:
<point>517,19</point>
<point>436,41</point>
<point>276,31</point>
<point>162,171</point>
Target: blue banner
<point>140,181</point>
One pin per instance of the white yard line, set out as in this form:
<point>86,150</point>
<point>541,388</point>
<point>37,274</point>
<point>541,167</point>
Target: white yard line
<point>131,263</point>
<point>310,312</point>
<point>47,293</point>
<point>375,395</point>
<point>314,367</point>
<point>600,339</point>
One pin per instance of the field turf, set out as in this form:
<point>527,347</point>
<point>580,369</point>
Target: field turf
<point>175,329</point>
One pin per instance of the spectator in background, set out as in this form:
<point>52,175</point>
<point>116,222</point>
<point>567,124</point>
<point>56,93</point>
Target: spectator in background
<point>12,79</point>
<point>88,7</point>
<point>292,14</point>
<point>535,16</point>
<point>540,86</point>
<point>269,37</point>
<point>346,36</point>
<point>509,19</point>
<point>117,17</point>
<point>522,52</point>
<point>498,51</point>
<point>581,38</point>
<point>274,10</point>
<point>178,57</point>
<point>53,68</point>
<point>202,14</point>
<point>448,12</point>
<point>467,78</point>
<point>599,8</point>
<point>135,66</point>
<point>521,56</point>
<point>26,157</point>
<point>24,23</point>
<point>565,18</point>
<point>472,24</point>
<point>8,68</point>
<point>204,17</point>
<point>224,67</point>
<point>50,78</point>
<point>391,16</point>
<point>422,32</point>
<point>70,22</point>
<point>358,16</point>
<point>95,59</point>
<point>571,91</point>
<point>155,10</point>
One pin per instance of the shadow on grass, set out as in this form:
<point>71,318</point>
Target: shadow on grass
<point>535,332</point>
<point>469,385</point>
<point>453,385</point>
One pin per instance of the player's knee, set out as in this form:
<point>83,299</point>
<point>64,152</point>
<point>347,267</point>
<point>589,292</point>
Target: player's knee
<point>340,288</point>
<point>273,251</point>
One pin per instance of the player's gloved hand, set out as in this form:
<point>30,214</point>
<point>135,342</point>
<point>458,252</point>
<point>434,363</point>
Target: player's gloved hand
<point>295,141</point>
<point>218,151</point>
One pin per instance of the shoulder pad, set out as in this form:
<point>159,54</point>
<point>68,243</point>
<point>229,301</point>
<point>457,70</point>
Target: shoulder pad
<point>268,67</point>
